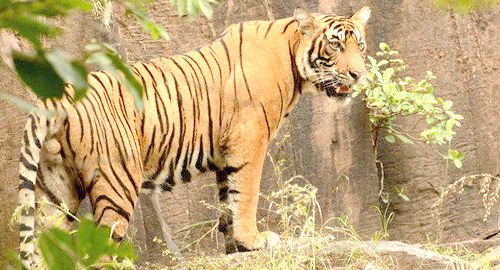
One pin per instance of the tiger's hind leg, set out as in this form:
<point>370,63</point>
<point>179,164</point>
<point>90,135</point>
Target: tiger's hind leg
<point>58,193</point>
<point>113,191</point>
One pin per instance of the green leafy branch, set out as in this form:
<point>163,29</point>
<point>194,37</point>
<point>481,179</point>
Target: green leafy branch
<point>465,5</point>
<point>89,247</point>
<point>192,8</point>
<point>48,72</point>
<point>389,98</point>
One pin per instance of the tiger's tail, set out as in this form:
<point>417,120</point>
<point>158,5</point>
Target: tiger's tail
<point>35,132</point>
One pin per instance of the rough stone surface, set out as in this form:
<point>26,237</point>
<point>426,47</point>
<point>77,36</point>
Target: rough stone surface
<point>461,50</point>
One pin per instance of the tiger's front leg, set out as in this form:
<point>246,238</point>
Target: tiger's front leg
<point>239,186</point>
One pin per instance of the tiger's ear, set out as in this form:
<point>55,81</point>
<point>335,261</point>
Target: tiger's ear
<point>307,23</point>
<point>362,15</point>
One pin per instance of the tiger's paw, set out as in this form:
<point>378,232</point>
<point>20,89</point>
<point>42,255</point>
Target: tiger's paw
<point>261,240</point>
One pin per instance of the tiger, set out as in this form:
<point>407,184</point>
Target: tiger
<point>215,108</point>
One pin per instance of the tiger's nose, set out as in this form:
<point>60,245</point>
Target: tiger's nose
<point>357,74</point>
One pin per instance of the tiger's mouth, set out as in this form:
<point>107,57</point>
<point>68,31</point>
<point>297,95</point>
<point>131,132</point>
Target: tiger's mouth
<point>334,90</point>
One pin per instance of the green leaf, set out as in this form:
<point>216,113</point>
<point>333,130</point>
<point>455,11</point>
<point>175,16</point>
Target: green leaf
<point>70,71</point>
<point>93,242</point>
<point>126,250</point>
<point>404,138</point>
<point>14,262</point>
<point>382,62</point>
<point>384,47</point>
<point>39,75</point>
<point>30,28</point>
<point>372,60</point>
<point>453,153</point>
<point>387,74</point>
<point>450,123</point>
<point>430,120</point>
<point>447,105</point>
<point>57,249</point>
<point>107,59</point>
<point>148,24</point>
<point>440,116</point>
<point>404,197</point>
<point>458,163</point>
<point>25,105</point>
<point>206,8</point>
<point>390,138</point>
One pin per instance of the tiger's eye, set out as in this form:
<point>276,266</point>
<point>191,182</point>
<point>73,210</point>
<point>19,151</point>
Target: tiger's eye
<point>336,45</point>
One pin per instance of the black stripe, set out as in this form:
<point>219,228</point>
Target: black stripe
<point>212,53</point>
<point>208,65</point>
<point>24,227</point>
<point>118,210</point>
<point>150,147</point>
<point>241,62</point>
<point>120,182</point>
<point>199,160</point>
<point>297,78</point>
<point>91,125</point>
<point>185,174</point>
<point>212,166</point>
<point>224,45</point>
<point>80,119</point>
<point>95,115</point>
<point>130,177</point>
<point>27,149</point>
<point>157,96</point>
<point>182,125</point>
<point>26,184</point>
<point>179,103</point>
<point>33,132</point>
<point>201,71</point>
<point>43,187</point>
<point>26,239</point>
<point>138,74</point>
<point>282,103</point>
<point>223,193</point>
<point>287,25</point>
<point>111,115</point>
<point>24,255</point>
<point>93,182</point>
<point>220,95</point>
<point>164,77</point>
<point>106,178</point>
<point>222,175</point>
<point>269,28</point>
<point>166,151</point>
<point>116,117</point>
<point>210,123</point>
<point>28,165</point>
<point>79,186</point>
<point>68,137</point>
<point>267,121</point>
<point>27,211</point>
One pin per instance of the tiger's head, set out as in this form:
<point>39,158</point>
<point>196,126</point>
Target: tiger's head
<point>331,55</point>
